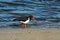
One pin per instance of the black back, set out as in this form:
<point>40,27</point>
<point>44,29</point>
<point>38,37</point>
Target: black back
<point>23,18</point>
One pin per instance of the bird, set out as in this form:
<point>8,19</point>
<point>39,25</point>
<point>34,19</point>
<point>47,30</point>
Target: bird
<point>24,20</point>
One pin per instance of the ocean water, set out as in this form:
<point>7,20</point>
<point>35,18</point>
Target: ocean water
<point>46,12</point>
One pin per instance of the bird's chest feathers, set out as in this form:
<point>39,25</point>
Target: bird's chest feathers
<point>25,21</point>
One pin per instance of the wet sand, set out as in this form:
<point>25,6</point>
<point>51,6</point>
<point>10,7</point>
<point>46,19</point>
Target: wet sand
<point>30,34</point>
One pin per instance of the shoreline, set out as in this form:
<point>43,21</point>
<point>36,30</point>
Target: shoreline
<point>30,34</point>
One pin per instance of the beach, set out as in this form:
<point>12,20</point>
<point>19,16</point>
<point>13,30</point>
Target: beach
<point>30,34</point>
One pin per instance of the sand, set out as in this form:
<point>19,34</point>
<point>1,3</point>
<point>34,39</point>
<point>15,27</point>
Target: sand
<point>30,34</point>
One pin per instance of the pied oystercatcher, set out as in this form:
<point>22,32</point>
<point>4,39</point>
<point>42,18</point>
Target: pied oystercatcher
<point>24,20</point>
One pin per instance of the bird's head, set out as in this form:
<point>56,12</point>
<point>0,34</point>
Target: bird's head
<point>31,17</point>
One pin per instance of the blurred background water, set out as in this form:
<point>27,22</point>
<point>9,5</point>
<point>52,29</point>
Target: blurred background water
<point>47,13</point>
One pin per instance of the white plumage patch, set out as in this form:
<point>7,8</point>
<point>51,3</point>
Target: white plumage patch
<point>25,21</point>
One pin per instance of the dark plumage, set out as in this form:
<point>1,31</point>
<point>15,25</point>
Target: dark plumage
<point>23,18</point>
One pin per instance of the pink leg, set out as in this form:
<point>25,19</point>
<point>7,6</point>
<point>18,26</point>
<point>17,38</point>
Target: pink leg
<point>23,25</point>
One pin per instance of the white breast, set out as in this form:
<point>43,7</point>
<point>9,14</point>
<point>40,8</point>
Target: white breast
<point>25,21</point>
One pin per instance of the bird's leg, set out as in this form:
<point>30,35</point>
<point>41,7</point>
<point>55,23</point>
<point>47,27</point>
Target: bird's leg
<point>23,25</point>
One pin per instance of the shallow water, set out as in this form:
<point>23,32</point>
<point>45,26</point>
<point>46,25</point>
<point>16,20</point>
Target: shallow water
<point>44,11</point>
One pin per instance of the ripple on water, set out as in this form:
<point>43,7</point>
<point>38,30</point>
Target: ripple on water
<point>43,11</point>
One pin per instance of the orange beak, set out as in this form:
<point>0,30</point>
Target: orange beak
<point>33,18</point>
